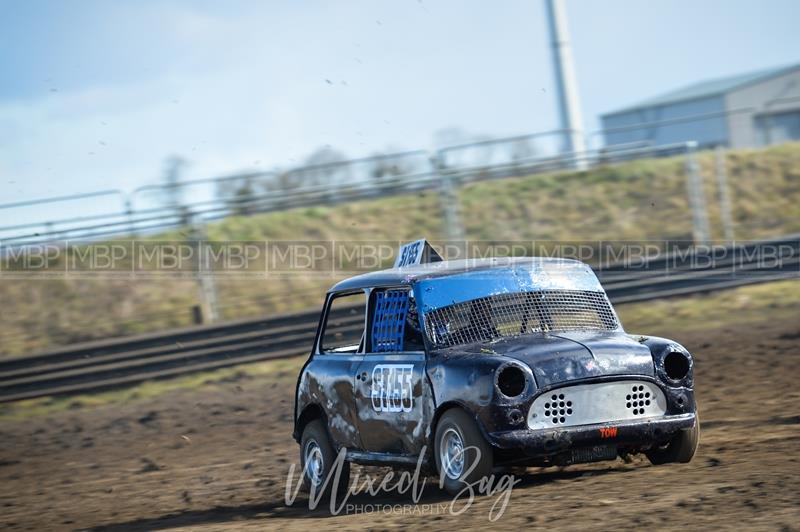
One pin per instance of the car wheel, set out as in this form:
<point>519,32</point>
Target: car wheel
<point>462,454</point>
<point>317,458</point>
<point>680,449</point>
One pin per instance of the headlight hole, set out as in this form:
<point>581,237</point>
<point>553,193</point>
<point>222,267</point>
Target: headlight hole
<point>511,382</point>
<point>676,365</point>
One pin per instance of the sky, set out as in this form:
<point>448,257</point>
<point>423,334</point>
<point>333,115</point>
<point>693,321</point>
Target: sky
<point>97,94</point>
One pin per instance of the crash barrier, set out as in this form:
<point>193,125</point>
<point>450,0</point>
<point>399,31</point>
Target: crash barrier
<point>112,363</point>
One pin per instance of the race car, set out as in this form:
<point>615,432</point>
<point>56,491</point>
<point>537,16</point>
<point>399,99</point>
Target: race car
<point>471,365</point>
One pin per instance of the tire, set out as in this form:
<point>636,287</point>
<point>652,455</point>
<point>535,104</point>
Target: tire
<point>680,450</point>
<point>469,466</point>
<point>316,443</point>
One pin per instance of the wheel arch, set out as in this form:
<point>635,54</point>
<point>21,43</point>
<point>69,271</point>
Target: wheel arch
<point>310,412</point>
<point>450,405</point>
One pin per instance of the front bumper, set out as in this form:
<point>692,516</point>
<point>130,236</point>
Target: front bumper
<point>624,435</point>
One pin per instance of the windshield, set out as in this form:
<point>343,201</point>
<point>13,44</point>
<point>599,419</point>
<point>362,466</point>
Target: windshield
<point>535,297</point>
<point>504,315</point>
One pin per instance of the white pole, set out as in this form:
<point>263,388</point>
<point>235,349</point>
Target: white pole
<point>205,279</point>
<point>566,85</point>
<point>448,199</point>
<point>697,197</point>
<point>724,195</point>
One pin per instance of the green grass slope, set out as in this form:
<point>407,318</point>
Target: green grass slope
<point>638,200</point>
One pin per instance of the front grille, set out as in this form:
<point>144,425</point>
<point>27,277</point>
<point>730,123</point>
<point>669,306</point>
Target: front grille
<point>558,408</point>
<point>637,400</point>
<point>503,315</point>
<point>602,402</point>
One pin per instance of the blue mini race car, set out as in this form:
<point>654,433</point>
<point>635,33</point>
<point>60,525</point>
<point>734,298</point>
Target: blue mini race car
<point>469,365</point>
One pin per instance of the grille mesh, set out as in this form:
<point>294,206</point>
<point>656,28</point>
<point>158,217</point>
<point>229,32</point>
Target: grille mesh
<point>638,399</point>
<point>504,315</point>
<point>558,408</point>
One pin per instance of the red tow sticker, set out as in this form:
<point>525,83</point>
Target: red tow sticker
<point>608,432</point>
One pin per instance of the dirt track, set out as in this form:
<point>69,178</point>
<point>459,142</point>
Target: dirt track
<point>218,460</point>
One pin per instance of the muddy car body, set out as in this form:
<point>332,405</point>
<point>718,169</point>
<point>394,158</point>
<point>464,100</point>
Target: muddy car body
<point>522,361</point>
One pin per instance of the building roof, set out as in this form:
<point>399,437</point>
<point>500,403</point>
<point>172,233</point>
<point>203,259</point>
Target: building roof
<point>705,89</point>
<point>411,274</point>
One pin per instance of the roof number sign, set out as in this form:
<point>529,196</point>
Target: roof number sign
<point>417,252</point>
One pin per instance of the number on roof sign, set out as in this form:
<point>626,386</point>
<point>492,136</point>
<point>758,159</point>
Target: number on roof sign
<point>409,254</point>
<point>415,253</point>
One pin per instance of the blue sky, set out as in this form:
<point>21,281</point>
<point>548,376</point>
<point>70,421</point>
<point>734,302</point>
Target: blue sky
<point>95,94</point>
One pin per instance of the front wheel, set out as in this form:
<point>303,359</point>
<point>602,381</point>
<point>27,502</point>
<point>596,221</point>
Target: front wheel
<point>318,458</point>
<point>680,449</point>
<point>462,454</point>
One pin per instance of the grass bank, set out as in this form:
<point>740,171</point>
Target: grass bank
<point>638,200</point>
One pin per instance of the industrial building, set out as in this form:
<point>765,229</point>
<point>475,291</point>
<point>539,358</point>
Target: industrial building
<point>748,110</point>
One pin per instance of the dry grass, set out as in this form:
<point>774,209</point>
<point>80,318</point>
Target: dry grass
<point>639,200</point>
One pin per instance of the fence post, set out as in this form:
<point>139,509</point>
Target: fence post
<point>129,214</point>
<point>724,194</point>
<point>697,197</point>
<point>208,289</point>
<point>449,202</point>
<point>197,314</point>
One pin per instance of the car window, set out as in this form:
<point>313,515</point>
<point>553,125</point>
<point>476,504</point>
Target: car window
<point>505,315</point>
<point>395,323</point>
<point>344,324</point>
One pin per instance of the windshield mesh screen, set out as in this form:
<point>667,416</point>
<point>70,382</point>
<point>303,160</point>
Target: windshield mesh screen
<point>504,315</point>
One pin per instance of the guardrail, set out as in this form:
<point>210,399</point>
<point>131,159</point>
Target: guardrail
<point>112,363</point>
<point>263,191</point>
<point>124,214</point>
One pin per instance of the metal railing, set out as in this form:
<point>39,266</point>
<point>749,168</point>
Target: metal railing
<point>206,199</point>
<point>385,174</point>
<point>133,221</point>
<point>118,362</point>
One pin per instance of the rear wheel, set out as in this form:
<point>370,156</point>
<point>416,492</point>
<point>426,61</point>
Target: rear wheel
<point>462,454</point>
<point>680,449</point>
<point>317,458</point>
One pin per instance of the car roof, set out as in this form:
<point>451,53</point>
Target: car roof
<point>410,274</point>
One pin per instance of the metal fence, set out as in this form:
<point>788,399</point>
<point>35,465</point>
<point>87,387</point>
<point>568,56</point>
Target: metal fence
<point>159,207</point>
<point>114,213</point>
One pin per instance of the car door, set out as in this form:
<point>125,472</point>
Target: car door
<point>393,399</point>
<point>336,360</point>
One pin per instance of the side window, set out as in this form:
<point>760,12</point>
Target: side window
<point>344,325</point>
<point>395,323</point>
